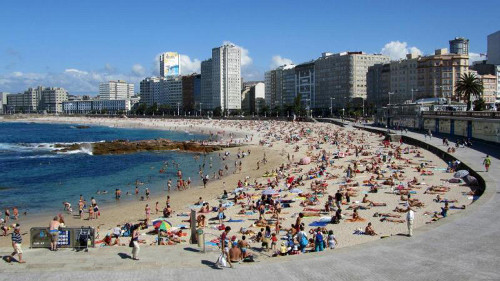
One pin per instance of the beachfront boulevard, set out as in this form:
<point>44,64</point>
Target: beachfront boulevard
<point>291,200</point>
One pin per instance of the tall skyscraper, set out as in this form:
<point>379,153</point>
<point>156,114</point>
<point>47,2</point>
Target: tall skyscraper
<point>170,64</point>
<point>226,77</point>
<point>206,85</point>
<point>459,46</point>
<point>150,90</point>
<point>116,90</point>
<point>494,48</point>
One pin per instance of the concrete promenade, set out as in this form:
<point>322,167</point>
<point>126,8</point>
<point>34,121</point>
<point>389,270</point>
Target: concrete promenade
<point>464,246</point>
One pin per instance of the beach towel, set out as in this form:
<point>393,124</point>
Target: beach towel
<point>318,224</point>
<point>231,220</point>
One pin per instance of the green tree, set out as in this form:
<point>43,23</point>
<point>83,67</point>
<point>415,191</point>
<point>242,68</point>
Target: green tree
<point>468,86</point>
<point>264,109</point>
<point>297,104</point>
<point>218,111</point>
<point>479,105</point>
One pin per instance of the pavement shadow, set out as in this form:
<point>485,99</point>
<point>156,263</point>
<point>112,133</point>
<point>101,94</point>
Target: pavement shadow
<point>402,234</point>
<point>191,249</point>
<point>124,256</point>
<point>9,259</point>
<point>210,264</point>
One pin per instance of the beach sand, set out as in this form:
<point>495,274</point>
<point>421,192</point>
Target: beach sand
<point>273,132</point>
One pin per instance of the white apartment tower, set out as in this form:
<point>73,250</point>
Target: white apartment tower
<point>226,77</point>
<point>116,90</point>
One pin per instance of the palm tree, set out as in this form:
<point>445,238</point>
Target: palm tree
<point>469,85</point>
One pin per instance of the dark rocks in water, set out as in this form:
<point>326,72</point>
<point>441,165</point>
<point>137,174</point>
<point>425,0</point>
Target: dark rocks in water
<point>82,127</point>
<point>124,146</point>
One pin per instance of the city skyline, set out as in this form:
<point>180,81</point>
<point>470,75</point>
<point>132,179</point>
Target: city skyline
<point>42,51</point>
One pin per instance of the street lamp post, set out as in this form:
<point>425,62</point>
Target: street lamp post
<point>178,111</point>
<point>331,106</point>
<point>389,108</point>
<point>200,109</point>
<point>413,90</point>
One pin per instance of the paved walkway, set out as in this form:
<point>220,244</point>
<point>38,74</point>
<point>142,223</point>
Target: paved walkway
<point>464,246</point>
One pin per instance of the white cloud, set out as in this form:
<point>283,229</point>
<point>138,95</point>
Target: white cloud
<point>138,70</point>
<point>189,66</point>
<point>277,61</point>
<point>475,57</point>
<point>398,50</point>
<point>73,80</point>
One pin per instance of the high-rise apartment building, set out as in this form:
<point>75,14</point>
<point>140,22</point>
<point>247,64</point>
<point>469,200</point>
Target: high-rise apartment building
<point>53,98</point>
<point>304,85</point>
<point>489,88</point>
<point>150,90</point>
<point>253,97</point>
<point>3,102</point>
<point>226,77</point>
<point>342,77</point>
<point>378,84</point>
<point>459,46</point>
<point>38,99</point>
<point>404,77</point>
<point>439,73</point>
<point>170,64</point>
<point>280,89</point>
<point>494,48</point>
<point>206,85</point>
<point>171,91</point>
<point>188,92</point>
<point>116,90</point>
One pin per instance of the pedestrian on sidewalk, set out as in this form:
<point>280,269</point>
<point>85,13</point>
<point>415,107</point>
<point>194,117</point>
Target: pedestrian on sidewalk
<point>487,163</point>
<point>430,134</point>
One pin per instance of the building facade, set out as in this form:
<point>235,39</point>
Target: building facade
<point>378,84</point>
<point>226,77</point>
<point>150,90</point>
<point>38,99</point>
<point>404,77</point>
<point>116,90</point>
<point>206,85</point>
<point>304,86</point>
<point>3,102</point>
<point>96,106</point>
<point>342,77</point>
<point>53,98</point>
<point>439,73</point>
<point>253,97</point>
<point>188,100</point>
<point>494,48</point>
<point>490,84</point>
<point>171,92</point>
<point>459,46</point>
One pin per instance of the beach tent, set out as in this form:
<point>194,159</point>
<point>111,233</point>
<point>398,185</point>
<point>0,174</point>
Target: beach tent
<point>460,174</point>
<point>305,161</point>
<point>470,180</point>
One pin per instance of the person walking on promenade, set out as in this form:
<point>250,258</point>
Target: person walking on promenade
<point>487,162</point>
<point>410,216</point>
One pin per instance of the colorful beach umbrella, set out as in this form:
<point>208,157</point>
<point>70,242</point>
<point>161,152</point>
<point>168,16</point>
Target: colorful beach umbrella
<point>162,225</point>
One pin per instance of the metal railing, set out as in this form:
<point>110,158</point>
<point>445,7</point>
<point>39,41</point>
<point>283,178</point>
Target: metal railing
<point>471,114</point>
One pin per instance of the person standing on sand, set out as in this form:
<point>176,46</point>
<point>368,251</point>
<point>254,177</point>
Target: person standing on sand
<point>7,215</point>
<point>17,240</point>
<point>135,242</point>
<point>54,233</point>
<point>487,163</point>
<point>410,216</point>
<point>15,212</point>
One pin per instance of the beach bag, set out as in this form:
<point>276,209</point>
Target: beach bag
<point>221,261</point>
<point>131,244</point>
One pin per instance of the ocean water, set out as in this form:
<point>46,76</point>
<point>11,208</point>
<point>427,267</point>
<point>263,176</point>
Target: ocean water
<point>35,177</point>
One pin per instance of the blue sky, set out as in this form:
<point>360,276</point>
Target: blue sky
<point>77,44</point>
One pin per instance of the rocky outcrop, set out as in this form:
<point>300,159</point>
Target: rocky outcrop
<point>124,146</point>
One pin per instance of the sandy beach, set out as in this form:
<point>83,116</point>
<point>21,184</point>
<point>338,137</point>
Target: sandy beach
<point>283,144</point>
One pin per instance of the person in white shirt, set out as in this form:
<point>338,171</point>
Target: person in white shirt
<point>410,216</point>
